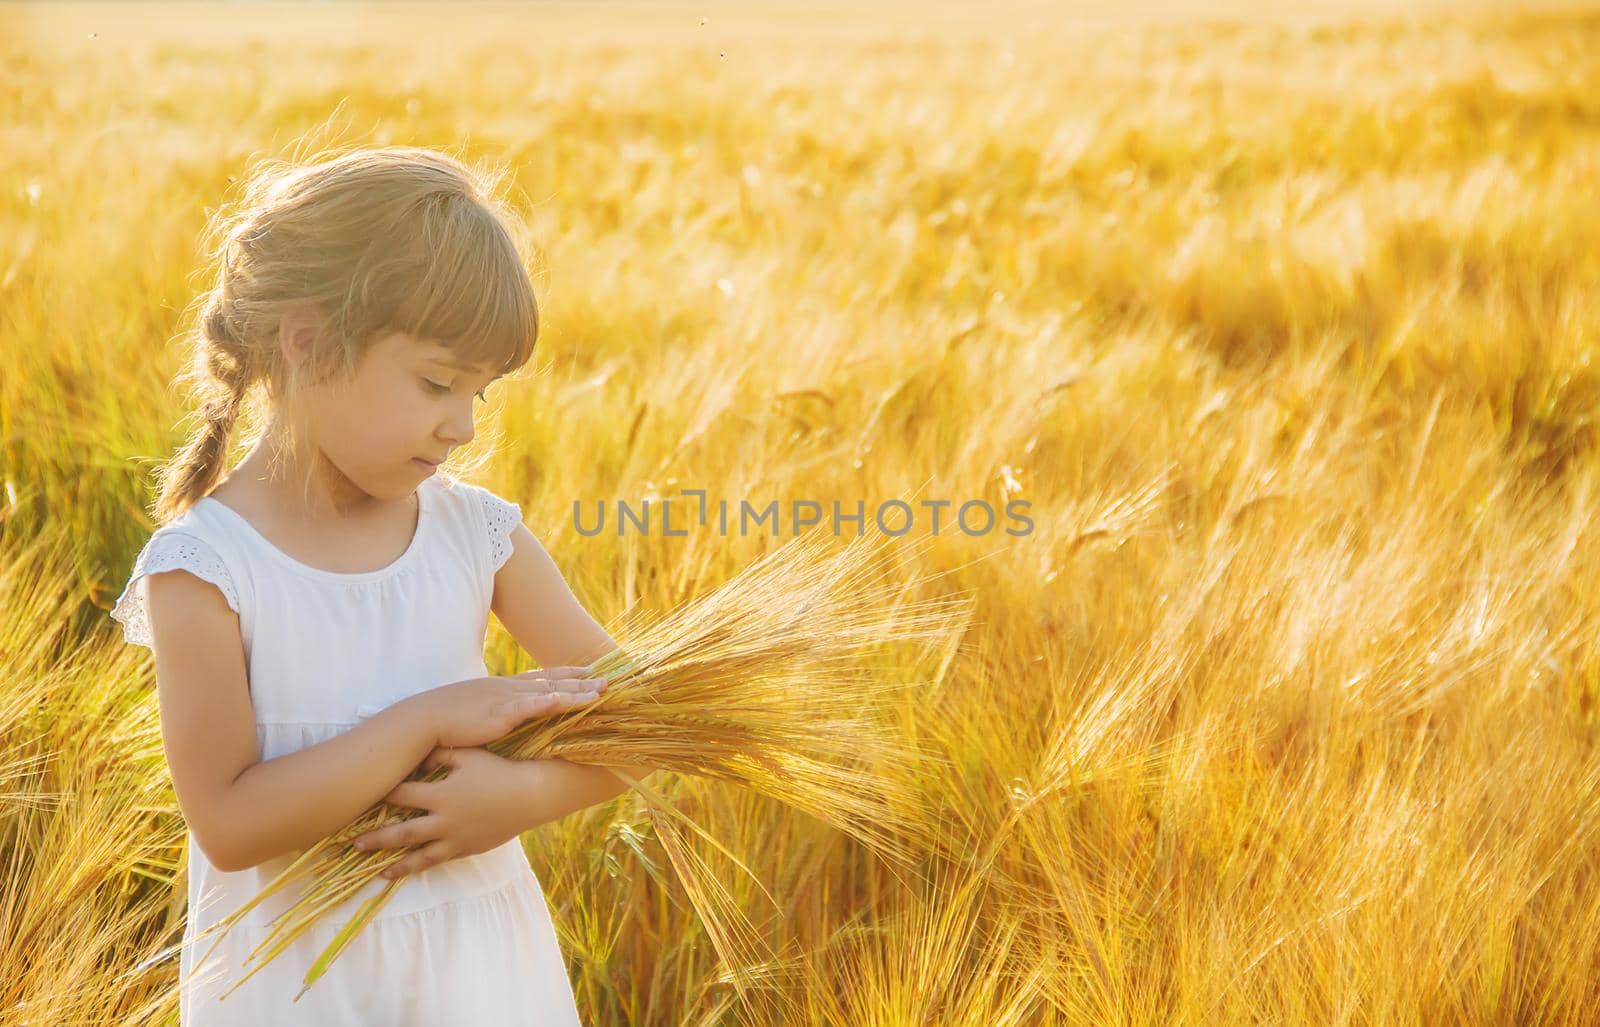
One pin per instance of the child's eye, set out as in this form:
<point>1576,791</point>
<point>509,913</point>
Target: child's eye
<point>440,390</point>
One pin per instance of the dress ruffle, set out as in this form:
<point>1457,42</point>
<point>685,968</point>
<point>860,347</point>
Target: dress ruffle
<point>502,517</point>
<point>169,550</point>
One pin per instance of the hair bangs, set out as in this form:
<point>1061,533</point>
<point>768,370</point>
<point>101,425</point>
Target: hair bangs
<point>472,294</point>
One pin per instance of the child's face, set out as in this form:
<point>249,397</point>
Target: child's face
<point>405,403</point>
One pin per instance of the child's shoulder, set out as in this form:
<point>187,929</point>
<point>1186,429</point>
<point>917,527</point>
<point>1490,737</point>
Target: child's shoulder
<point>194,528</point>
<point>195,541</point>
<point>466,495</point>
<point>201,528</point>
<point>482,514</point>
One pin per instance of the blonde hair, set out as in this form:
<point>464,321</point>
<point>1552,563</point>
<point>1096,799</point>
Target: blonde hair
<point>372,241</point>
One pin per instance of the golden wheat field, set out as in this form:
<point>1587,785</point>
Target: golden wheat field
<point>1285,326</point>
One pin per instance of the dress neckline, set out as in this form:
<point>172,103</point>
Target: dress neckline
<point>424,518</point>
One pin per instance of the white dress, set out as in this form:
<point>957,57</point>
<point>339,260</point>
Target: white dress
<point>469,941</point>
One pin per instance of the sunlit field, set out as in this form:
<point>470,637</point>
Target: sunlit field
<point>1285,327</point>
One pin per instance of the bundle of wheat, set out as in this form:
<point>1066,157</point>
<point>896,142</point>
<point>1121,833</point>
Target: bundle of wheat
<point>765,682</point>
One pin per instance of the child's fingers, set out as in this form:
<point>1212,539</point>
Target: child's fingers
<point>416,794</point>
<point>554,672</point>
<point>398,836</point>
<point>430,855</point>
<point>551,702</point>
<point>561,685</point>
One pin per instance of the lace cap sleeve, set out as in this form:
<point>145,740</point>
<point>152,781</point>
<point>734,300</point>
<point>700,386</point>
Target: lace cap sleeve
<point>166,551</point>
<point>501,516</point>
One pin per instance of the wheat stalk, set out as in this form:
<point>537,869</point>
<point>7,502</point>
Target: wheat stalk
<point>765,682</point>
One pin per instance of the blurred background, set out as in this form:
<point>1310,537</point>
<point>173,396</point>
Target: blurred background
<point>1283,319</point>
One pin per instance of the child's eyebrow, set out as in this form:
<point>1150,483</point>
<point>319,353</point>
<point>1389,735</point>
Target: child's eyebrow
<point>473,368</point>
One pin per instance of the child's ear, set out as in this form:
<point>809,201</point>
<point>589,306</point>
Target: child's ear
<point>298,332</point>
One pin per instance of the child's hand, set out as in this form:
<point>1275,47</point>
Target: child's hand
<point>478,711</point>
<point>484,802</point>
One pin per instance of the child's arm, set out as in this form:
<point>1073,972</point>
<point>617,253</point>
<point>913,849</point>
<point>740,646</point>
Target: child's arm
<point>557,787</point>
<point>241,810</point>
<point>538,608</point>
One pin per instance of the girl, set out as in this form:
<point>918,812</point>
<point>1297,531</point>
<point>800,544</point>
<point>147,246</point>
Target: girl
<point>325,634</point>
